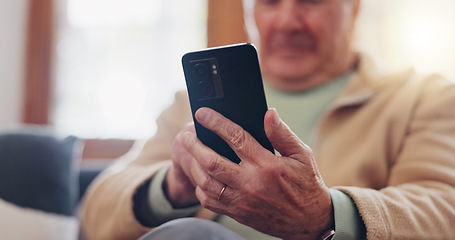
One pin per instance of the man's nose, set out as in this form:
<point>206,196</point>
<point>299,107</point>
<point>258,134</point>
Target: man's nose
<point>290,16</point>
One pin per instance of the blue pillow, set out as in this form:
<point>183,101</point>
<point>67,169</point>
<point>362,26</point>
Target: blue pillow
<point>38,170</point>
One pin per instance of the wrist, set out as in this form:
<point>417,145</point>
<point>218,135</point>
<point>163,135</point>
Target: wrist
<point>324,221</point>
<point>328,231</point>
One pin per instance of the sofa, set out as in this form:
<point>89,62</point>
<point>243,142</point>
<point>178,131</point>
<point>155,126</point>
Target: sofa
<point>42,182</point>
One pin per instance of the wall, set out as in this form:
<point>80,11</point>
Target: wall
<point>12,40</point>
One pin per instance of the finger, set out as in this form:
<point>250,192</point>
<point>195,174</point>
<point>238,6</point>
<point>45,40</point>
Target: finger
<point>243,144</point>
<point>181,158</point>
<point>211,162</point>
<point>282,137</point>
<point>213,204</point>
<point>205,182</point>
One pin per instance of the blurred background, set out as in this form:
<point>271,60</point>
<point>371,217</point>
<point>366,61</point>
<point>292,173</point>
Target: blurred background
<point>104,69</point>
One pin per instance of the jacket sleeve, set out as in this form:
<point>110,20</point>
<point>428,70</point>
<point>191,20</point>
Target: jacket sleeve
<point>419,201</point>
<point>107,209</point>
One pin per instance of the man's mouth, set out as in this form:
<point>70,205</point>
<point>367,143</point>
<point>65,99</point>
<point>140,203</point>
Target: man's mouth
<point>292,42</point>
<point>292,46</point>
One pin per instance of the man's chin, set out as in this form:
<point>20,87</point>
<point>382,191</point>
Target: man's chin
<point>289,73</point>
<point>294,61</point>
<point>292,55</point>
<point>290,67</point>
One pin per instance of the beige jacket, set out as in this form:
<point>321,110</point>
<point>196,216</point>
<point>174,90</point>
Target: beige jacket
<point>388,141</point>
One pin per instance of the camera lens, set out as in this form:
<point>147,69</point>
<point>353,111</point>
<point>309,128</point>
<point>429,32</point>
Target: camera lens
<point>201,70</point>
<point>205,89</point>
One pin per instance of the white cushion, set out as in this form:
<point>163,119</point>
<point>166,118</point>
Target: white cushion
<point>17,223</point>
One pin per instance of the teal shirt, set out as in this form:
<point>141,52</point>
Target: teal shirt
<point>302,111</point>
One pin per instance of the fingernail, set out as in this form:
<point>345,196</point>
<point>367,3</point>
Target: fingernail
<point>186,137</point>
<point>202,115</point>
<point>276,118</point>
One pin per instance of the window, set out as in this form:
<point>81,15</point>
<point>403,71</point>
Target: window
<point>118,63</point>
<point>420,33</point>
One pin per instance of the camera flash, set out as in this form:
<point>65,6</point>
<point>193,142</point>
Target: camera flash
<point>213,66</point>
<point>215,72</point>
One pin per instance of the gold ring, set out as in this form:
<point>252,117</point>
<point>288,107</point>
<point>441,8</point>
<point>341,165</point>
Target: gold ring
<point>221,192</point>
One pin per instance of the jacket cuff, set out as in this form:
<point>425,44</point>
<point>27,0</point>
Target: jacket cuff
<point>161,209</point>
<point>348,222</point>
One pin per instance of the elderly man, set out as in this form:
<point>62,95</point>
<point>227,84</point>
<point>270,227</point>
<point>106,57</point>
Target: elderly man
<point>381,163</point>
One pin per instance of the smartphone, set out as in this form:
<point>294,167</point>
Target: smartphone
<point>228,80</point>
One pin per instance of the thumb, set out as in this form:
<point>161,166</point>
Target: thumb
<point>282,137</point>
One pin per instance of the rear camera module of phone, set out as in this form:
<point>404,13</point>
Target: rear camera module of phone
<point>205,89</point>
<point>201,70</point>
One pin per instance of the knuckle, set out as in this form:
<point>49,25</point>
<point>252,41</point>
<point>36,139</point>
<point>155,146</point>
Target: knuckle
<point>205,183</point>
<point>213,164</point>
<point>238,138</point>
<point>253,192</point>
<point>307,151</point>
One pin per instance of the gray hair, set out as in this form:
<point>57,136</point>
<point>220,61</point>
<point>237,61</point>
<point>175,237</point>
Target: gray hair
<point>250,24</point>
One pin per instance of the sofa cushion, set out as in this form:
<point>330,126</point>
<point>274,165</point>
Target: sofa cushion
<point>38,170</point>
<point>19,223</point>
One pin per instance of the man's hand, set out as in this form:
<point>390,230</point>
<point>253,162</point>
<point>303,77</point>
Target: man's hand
<point>180,186</point>
<point>282,196</point>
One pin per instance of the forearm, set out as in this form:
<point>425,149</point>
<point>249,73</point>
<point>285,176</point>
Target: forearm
<point>107,211</point>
